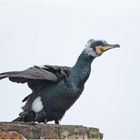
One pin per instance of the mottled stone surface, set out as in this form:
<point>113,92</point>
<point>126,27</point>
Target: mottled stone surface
<point>20,130</point>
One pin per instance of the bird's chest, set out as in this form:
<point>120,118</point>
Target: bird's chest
<point>60,96</point>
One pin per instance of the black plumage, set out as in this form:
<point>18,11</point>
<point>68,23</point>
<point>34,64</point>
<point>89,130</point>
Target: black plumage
<point>55,88</point>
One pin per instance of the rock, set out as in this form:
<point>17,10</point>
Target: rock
<point>21,130</point>
<point>10,135</point>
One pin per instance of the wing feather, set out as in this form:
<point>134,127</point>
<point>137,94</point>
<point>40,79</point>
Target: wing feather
<point>37,76</point>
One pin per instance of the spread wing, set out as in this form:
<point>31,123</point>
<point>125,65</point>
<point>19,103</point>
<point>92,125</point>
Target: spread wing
<point>37,76</point>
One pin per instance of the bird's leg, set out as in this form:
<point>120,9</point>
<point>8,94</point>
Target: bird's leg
<point>45,121</point>
<point>56,121</point>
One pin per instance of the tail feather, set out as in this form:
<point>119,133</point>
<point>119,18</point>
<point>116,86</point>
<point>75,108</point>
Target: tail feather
<point>25,117</point>
<point>18,119</point>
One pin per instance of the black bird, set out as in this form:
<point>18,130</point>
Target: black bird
<point>56,88</point>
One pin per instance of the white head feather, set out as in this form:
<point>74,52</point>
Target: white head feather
<point>88,50</point>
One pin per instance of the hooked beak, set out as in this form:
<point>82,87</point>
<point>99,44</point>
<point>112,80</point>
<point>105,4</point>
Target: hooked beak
<point>105,47</point>
<point>110,46</point>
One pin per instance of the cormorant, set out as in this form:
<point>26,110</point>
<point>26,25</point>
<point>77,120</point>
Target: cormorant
<point>56,88</point>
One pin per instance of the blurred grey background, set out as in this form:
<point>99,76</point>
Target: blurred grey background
<point>37,32</point>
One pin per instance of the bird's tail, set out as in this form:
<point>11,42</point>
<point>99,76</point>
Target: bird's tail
<point>25,117</point>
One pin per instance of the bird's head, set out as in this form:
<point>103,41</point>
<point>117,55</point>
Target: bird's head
<point>95,48</point>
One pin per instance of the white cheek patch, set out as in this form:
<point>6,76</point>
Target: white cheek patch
<point>37,105</point>
<point>89,43</point>
<point>89,51</point>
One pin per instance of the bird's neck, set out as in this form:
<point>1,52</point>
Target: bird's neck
<point>80,71</point>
